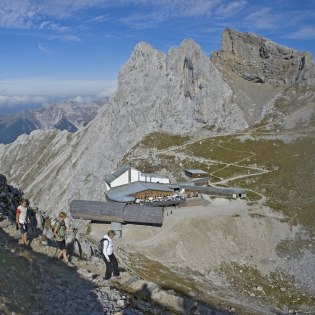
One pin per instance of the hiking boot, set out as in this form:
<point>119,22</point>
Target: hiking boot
<point>116,278</point>
<point>70,264</point>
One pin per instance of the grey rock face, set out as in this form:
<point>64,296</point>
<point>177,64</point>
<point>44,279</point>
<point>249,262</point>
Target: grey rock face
<point>259,60</point>
<point>179,92</point>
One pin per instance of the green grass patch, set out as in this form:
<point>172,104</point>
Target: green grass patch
<point>233,170</point>
<point>289,186</point>
<point>252,196</point>
<point>216,150</point>
<point>163,141</point>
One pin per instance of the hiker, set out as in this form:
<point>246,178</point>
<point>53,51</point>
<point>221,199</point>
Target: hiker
<point>22,221</point>
<point>31,215</point>
<point>59,231</point>
<point>109,257</point>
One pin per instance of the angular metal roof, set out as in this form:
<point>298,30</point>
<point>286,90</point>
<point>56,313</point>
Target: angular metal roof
<point>97,210</point>
<point>122,193</point>
<point>115,212</point>
<point>143,214</point>
<point>193,171</point>
<point>121,170</point>
<point>214,190</point>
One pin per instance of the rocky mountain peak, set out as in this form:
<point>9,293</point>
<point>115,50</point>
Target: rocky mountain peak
<point>141,56</point>
<point>177,92</point>
<point>189,45</point>
<point>142,47</point>
<point>259,60</point>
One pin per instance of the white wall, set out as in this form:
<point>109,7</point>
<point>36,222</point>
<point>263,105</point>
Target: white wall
<point>124,178</point>
<point>135,177</point>
<point>107,187</point>
<point>153,179</point>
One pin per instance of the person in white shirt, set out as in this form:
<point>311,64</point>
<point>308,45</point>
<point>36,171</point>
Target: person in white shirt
<point>109,257</point>
<point>22,221</point>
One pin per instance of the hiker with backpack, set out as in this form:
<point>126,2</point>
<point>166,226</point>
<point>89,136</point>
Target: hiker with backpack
<point>109,257</point>
<point>22,221</point>
<point>59,230</point>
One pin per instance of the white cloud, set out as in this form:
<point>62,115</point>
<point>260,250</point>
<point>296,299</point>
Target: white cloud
<point>98,19</point>
<point>42,14</point>
<point>305,33</point>
<point>49,92</point>
<point>230,9</point>
<point>34,13</point>
<point>162,10</point>
<point>198,8</point>
<point>54,87</point>
<point>17,14</point>
<point>108,91</point>
<point>9,101</point>
<point>264,18</point>
<point>26,13</point>
<point>142,21</point>
<point>275,19</point>
<point>53,26</point>
<point>43,49</point>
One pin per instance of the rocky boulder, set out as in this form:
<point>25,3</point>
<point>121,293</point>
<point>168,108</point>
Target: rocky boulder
<point>259,60</point>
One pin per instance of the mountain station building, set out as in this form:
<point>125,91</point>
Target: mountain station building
<point>127,174</point>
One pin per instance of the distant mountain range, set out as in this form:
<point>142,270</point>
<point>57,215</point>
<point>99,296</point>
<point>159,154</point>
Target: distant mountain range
<point>69,115</point>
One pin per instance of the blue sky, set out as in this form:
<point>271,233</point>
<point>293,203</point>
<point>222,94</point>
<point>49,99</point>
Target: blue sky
<point>55,49</point>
